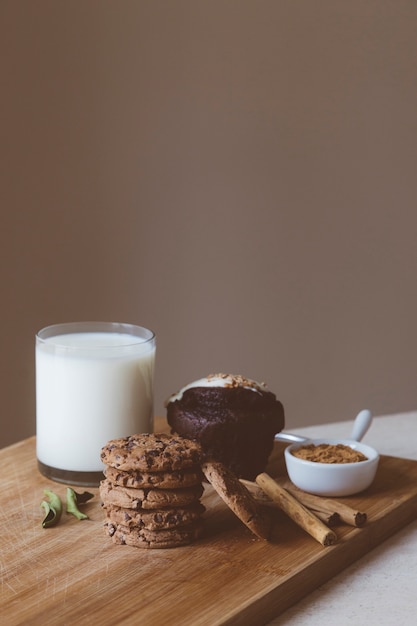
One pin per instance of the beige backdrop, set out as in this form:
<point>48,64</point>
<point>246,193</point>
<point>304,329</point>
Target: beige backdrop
<point>238,175</point>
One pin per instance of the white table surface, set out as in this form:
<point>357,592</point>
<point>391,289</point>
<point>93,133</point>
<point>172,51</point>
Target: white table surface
<point>380,588</point>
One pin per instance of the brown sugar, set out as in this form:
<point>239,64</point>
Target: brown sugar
<point>329,453</point>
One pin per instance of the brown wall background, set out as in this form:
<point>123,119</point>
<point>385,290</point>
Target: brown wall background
<point>240,176</point>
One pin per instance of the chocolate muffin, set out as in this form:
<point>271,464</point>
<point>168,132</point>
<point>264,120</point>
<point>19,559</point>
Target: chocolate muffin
<point>232,417</point>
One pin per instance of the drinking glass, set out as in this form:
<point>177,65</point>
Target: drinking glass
<point>94,382</point>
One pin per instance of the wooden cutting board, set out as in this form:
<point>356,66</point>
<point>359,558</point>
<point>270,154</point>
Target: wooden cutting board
<point>73,574</point>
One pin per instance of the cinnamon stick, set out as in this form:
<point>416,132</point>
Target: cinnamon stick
<point>326,505</point>
<point>330,519</point>
<point>329,510</point>
<point>296,511</point>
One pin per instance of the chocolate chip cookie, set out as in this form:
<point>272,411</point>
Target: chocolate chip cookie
<point>144,538</point>
<point>238,498</point>
<point>158,519</point>
<point>146,480</point>
<point>151,453</point>
<point>129,498</point>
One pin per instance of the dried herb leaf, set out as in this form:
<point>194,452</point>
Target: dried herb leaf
<point>74,499</point>
<point>52,508</point>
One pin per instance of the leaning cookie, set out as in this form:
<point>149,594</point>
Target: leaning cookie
<point>175,479</point>
<point>126,497</point>
<point>144,538</point>
<point>158,519</point>
<point>238,498</point>
<point>150,452</point>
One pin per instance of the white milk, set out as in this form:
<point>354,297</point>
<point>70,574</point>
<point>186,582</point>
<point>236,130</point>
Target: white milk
<point>90,387</point>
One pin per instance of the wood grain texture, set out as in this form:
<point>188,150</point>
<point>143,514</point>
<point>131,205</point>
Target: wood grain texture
<point>73,574</point>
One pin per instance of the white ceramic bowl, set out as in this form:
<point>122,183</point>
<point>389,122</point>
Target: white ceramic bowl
<point>332,479</point>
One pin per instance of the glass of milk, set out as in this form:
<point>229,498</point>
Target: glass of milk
<point>94,382</point>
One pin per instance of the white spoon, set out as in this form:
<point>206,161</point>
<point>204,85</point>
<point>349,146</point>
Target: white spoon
<point>360,426</point>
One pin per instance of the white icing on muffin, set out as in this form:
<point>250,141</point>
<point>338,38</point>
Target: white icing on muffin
<point>220,380</point>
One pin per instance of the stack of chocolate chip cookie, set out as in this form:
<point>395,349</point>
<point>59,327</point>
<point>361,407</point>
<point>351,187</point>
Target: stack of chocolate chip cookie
<point>151,491</point>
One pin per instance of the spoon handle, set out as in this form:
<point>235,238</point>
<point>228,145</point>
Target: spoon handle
<point>361,424</point>
<point>289,437</point>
